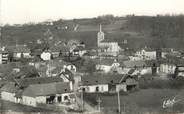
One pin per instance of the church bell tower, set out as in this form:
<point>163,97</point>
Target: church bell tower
<point>100,36</point>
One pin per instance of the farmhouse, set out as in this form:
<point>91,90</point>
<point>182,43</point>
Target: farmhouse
<point>3,57</point>
<point>179,71</point>
<point>8,92</point>
<point>19,51</point>
<point>50,93</point>
<point>23,83</point>
<point>55,51</point>
<point>32,92</point>
<point>167,68</point>
<point>79,51</point>
<point>146,54</point>
<point>140,66</point>
<point>59,63</point>
<point>92,54</point>
<point>106,65</point>
<point>107,83</point>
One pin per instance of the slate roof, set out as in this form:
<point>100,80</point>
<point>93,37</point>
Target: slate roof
<point>46,89</point>
<point>37,52</point>
<point>18,49</point>
<point>109,40</point>
<point>91,53</point>
<point>9,87</point>
<point>102,79</point>
<point>60,48</point>
<point>79,48</point>
<point>132,64</point>
<point>69,73</point>
<point>107,62</point>
<point>40,80</point>
<point>58,63</point>
<point>25,72</point>
<point>5,51</point>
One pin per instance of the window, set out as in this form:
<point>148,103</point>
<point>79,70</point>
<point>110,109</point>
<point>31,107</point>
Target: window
<point>112,81</point>
<point>83,89</point>
<point>65,97</point>
<point>59,99</point>
<point>65,90</point>
<point>97,89</point>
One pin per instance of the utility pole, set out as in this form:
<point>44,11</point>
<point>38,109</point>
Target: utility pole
<point>119,103</point>
<point>1,38</point>
<point>82,100</point>
<point>99,103</point>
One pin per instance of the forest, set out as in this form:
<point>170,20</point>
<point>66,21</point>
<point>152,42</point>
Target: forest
<point>158,26</point>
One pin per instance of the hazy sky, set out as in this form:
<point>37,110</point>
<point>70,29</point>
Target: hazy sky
<point>23,11</point>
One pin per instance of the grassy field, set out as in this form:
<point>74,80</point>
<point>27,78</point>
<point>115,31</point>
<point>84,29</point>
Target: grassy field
<point>110,27</point>
<point>6,106</point>
<point>146,100</point>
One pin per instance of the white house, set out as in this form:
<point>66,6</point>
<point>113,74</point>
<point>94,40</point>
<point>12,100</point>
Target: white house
<point>140,67</point>
<point>60,65</point>
<point>179,70</point>
<point>135,58</point>
<point>107,65</point>
<point>50,93</point>
<point>146,54</point>
<point>46,56</point>
<point>3,57</point>
<point>106,83</point>
<point>38,94</point>
<point>19,51</point>
<point>8,92</point>
<point>167,68</point>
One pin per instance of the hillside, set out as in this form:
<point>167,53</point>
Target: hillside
<point>138,31</point>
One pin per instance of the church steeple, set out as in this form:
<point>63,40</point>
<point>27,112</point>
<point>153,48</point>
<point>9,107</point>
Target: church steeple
<point>100,36</point>
<point>100,28</point>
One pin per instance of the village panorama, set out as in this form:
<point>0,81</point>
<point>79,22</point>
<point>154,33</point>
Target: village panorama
<point>102,65</point>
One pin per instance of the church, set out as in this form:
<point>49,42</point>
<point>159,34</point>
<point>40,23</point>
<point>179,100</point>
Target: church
<point>106,47</point>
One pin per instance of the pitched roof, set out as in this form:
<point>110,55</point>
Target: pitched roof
<point>91,53</point>
<point>108,62</point>
<point>47,89</point>
<point>109,40</point>
<point>58,63</point>
<point>25,72</point>
<point>131,64</point>
<point>28,71</point>
<point>3,51</point>
<point>69,73</point>
<point>36,52</point>
<point>102,79</point>
<point>17,49</point>
<point>79,48</point>
<point>40,80</point>
<point>61,47</point>
<point>9,87</point>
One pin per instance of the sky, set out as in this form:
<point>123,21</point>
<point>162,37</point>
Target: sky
<point>25,11</point>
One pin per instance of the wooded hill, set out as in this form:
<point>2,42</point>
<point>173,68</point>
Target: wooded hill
<point>140,31</point>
